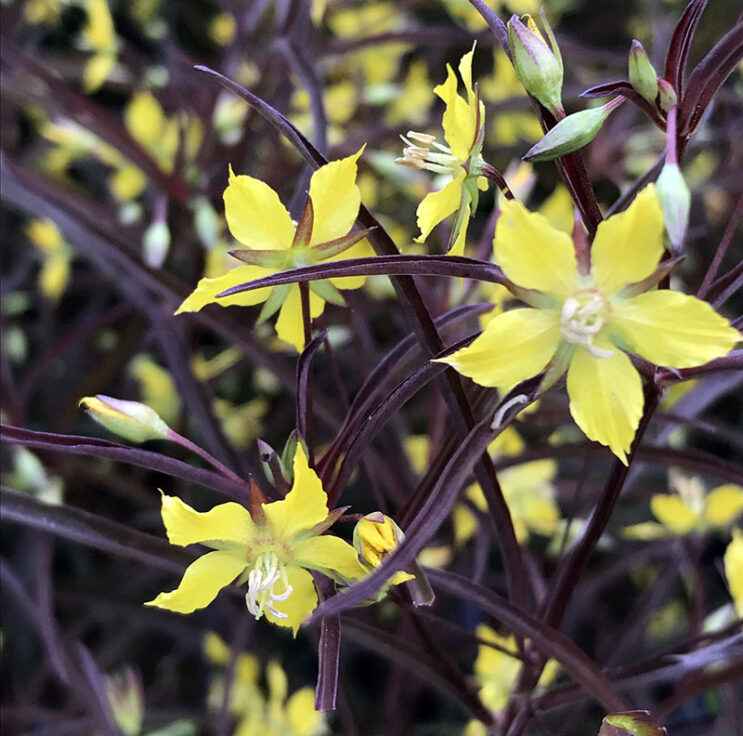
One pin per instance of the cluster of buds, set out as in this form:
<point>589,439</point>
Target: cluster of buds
<point>644,80</point>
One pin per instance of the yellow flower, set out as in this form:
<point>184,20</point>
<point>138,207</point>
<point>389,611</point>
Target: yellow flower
<point>259,714</point>
<point>56,255</point>
<point>734,569</point>
<point>689,509</point>
<point>257,218</point>
<point>582,322</point>
<point>461,158</point>
<point>496,671</point>
<point>272,553</point>
<point>99,36</point>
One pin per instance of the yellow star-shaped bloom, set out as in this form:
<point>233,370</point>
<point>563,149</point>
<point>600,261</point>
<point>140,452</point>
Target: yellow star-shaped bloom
<point>583,322</point>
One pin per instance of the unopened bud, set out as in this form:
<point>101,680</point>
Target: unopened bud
<point>132,420</point>
<point>375,537</point>
<point>675,201</point>
<point>125,696</point>
<point>667,93</point>
<point>642,74</point>
<point>156,243</point>
<point>538,66</point>
<point>572,132</point>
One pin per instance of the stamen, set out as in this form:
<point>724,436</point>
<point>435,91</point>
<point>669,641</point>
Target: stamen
<point>265,574</point>
<point>424,138</point>
<point>582,319</point>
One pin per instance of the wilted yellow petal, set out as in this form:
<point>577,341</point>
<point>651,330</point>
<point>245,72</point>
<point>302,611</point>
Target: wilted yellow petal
<point>331,554</point>
<point>203,579</point>
<point>515,345</point>
<point>734,569</point>
<point>606,398</point>
<point>724,505</point>
<point>436,206</point>
<point>255,214</point>
<point>335,199</point>
<point>207,289</point>
<point>673,329</point>
<point>532,253</point>
<point>302,601</point>
<point>227,522</point>
<point>290,325</point>
<point>628,246</point>
<point>303,507</point>
<point>674,514</point>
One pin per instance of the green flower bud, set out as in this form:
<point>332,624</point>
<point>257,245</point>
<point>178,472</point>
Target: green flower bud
<point>667,95</point>
<point>571,133</point>
<point>538,66</point>
<point>129,419</point>
<point>125,696</point>
<point>642,75</point>
<point>675,201</point>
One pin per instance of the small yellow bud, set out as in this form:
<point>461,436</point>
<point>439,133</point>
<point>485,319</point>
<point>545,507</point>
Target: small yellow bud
<point>375,537</point>
<point>129,419</point>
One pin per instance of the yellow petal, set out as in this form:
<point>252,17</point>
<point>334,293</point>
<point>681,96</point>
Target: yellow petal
<point>628,246</point>
<point>290,324</point>
<point>465,72</point>
<point>329,553</point>
<point>201,582</point>
<point>335,199</point>
<point>515,345</point>
<point>97,70</point>
<point>734,569</point>
<point>532,253</point>
<point>465,524</point>
<point>304,506</point>
<point>304,720</point>
<point>606,398</point>
<point>207,289</point>
<point>724,505</point>
<point>459,119</point>
<point>144,119</point>
<point>227,522</point>
<point>255,214</point>
<point>300,604</point>
<point>673,329</point>
<point>362,249</point>
<point>674,514</point>
<point>436,206</point>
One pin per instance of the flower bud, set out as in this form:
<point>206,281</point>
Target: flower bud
<point>156,243</point>
<point>642,75</point>
<point>572,132</point>
<point>375,537</point>
<point>667,97</point>
<point>125,696</point>
<point>675,201</point>
<point>538,66</point>
<point>132,420</point>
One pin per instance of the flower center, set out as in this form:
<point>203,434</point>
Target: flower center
<point>583,317</point>
<point>418,154</point>
<point>262,580</point>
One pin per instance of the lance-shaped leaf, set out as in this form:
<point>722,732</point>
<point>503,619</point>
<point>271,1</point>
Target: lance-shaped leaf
<point>678,49</point>
<point>303,233</point>
<point>664,269</point>
<point>265,258</point>
<point>626,90</point>
<point>338,245</point>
